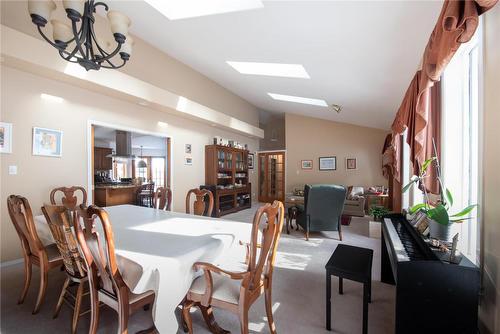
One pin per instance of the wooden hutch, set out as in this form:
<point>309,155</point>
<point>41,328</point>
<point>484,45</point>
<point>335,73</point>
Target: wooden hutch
<point>226,175</point>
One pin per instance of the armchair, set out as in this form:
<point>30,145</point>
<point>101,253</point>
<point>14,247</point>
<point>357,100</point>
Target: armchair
<point>323,204</point>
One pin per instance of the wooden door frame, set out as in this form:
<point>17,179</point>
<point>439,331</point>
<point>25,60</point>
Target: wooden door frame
<point>90,150</point>
<point>285,162</point>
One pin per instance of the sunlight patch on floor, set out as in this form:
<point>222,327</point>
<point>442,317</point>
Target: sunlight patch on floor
<point>292,261</point>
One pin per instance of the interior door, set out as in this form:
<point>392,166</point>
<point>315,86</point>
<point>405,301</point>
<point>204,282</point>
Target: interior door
<point>271,176</point>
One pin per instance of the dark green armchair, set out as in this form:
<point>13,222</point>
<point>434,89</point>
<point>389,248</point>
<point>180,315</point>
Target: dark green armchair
<point>323,205</point>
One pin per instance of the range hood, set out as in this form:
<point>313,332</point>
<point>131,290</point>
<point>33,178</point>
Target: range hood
<point>123,145</point>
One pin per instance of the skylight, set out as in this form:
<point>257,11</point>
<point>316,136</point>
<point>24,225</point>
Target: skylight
<point>270,69</point>
<point>298,99</point>
<point>182,9</point>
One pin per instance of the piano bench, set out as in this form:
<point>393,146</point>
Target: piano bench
<point>355,264</point>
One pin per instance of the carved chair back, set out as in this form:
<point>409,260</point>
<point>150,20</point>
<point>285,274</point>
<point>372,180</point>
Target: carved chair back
<point>22,217</point>
<point>269,219</point>
<point>163,198</point>
<point>99,253</point>
<point>60,223</point>
<point>68,199</point>
<point>200,207</point>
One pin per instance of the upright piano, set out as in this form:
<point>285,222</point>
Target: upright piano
<point>432,294</point>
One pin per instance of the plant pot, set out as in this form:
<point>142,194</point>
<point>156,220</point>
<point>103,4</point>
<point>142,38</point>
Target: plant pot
<point>440,231</point>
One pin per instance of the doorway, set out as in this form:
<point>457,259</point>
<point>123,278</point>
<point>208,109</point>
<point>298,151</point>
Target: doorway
<point>271,176</point>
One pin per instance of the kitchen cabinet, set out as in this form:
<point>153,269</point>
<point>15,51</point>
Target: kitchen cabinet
<point>101,159</point>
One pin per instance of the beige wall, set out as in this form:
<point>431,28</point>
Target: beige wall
<point>490,305</point>
<point>310,138</point>
<point>274,133</point>
<point>21,105</point>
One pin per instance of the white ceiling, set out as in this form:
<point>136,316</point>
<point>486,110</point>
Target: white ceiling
<point>360,55</point>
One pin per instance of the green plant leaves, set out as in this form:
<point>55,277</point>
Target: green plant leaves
<point>417,207</point>
<point>413,179</point>
<point>426,164</point>
<point>465,211</point>
<point>439,214</point>
<point>449,197</point>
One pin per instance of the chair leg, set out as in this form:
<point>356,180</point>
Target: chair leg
<point>123,314</point>
<point>340,235</point>
<point>61,298</point>
<point>269,310</point>
<point>76,311</point>
<point>341,286</point>
<point>186,315</point>
<point>365,308</point>
<point>244,319</point>
<point>94,310</point>
<point>307,235</point>
<point>27,279</point>
<point>43,288</point>
<point>213,326</point>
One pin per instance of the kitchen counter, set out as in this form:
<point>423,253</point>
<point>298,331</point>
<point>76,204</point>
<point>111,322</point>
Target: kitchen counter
<point>115,194</point>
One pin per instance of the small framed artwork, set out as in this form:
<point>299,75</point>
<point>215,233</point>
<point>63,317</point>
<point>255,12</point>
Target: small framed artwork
<point>188,148</point>
<point>351,163</point>
<point>5,137</point>
<point>306,164</point>
<point>188,161</point>
<point>251,157</point>
<point>47,142</point>
<point>328,163</point>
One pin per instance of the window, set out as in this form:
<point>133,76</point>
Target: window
<point>120,170</point>
<point>158,171</point>
<point>460,137</point>
<point>141,172</point>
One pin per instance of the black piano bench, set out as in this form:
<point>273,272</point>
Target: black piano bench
<point>355,264</point>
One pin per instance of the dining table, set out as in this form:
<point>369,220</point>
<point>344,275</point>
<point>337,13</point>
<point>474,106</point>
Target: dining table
<point>156,250</point>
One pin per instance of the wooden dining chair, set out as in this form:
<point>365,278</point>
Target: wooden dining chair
<point>237,291</point>
<point>106,281</point>
<point>60,222</point>
<point>162,199</point>
<point>34,252</point>
<point>68,199</point>
<point>145,195</point>
<point>200,207</point>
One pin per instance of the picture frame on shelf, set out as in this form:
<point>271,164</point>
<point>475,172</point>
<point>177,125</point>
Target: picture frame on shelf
<point>351,163</point>
<point>5,137</point>
<point>47,142</point>
<point>251,158</point>
<point>328,163</point>
<point>306,164</point>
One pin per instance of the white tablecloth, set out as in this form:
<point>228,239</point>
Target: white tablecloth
<point>157,249</point>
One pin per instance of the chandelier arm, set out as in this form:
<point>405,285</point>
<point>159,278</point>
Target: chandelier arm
<point>108,55</point>
<point>114,66</point>
<point>70,55</point>
<point>68,58</point>
<point>77,38</point>
<point>47,39</point>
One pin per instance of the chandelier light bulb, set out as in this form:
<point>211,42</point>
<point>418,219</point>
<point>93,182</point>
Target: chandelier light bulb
<point>119,22</point>
<point>61,31</point>
<point>41,8</point>
<point>76,5</point>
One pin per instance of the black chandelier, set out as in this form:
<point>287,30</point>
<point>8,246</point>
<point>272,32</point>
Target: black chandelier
<point>85,48</point>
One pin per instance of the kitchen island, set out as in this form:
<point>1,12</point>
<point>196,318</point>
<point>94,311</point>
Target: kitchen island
<point>115,194</point>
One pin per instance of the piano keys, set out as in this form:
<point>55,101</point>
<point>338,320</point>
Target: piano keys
<point>432,296</point>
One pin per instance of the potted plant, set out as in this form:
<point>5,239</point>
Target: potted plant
<point>378,212</point>
<point>438,212</point>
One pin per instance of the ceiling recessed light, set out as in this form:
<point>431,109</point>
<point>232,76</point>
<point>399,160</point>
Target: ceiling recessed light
<point>270,69</point>
<point>162,124</point>
<point>182,9</point>
<point>298,99</point>
<point>143,103</point>
<point>52,98</point>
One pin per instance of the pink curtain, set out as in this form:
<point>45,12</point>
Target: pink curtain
<point>457,24</point>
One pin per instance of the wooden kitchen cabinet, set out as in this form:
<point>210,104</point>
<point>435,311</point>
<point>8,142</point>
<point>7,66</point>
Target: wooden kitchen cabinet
<point>101,159</point>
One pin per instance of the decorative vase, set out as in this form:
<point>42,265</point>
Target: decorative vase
<point>440,231</point>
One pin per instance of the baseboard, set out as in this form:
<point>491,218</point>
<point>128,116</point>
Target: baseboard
<point>11,263</point>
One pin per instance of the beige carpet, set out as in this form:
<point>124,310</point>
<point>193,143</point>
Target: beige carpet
<point>299,293</point>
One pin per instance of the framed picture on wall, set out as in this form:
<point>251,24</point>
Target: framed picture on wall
<point>328,163</point>
<point>5,137</point>
<point>47,142</point>
<point>251,157</point>
<point>188,161</point>
<point>188,148</point>
<point>351,163</point>
<point>306,164</point>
